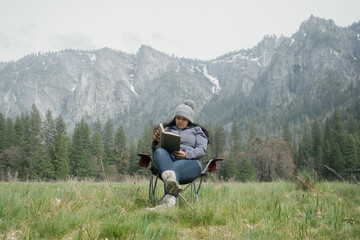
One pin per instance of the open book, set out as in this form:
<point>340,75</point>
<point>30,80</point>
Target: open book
<point>169,141</point>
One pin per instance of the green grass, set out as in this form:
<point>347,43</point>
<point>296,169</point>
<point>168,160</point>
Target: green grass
<point>88,210</point>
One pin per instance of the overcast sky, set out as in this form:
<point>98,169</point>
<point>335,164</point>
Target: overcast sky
<point>202,29</point>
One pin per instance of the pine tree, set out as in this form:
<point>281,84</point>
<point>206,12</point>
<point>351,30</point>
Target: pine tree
<point>96,142</point>
<point>61,161</point>
<point>121,150</point>
<point>19,132</point>
<point>300,159</point>
<point>76,149</point>
<point>48,132</point>
<point>252,131</point>
<point>235,137</point>
<point>327,148</point>
<point>24,169</point>
<point>97,147</point>
<point>60,127</point>
<point>338,161</point>
<point>144,144</point>
<point>307,141</point>
<point>287,133</point>
<point>10,133</point>
<point>327,131</point>
<point>229,167</point>
<point>133,158</point>
<point>352,126</point>
<point>2,133</point>
<point>44,169</point>
<point>356,167</point>
<point>85,136</point>
<point>80,157</point>
<point>338,131</point>
<point>317,145</point>
<point>247,171</point>
<point>316,137</point>
<point>219,141</point>
<point>82,165</point>
<point>109,143</point>
<point>320,162</point>
<point>305,150</point>
<point>351,156</point>
<point>35,148</point>
<point>327,158</point>
<point>16,152</point>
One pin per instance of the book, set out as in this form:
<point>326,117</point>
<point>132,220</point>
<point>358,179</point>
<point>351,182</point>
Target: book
<point>169,141</point>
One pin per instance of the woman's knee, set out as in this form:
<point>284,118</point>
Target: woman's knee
<point>160,151</point>
<point>187,169</point>
<point>161,154</point>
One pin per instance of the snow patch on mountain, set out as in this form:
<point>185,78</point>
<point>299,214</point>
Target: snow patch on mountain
<point>92,57</point>
<point>216,88</point>
<point>130,80</point>
<point>292,41</point>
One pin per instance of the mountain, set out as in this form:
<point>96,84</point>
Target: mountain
<point>280,79</point>
<point>289,78</point>
<point>131,89</point>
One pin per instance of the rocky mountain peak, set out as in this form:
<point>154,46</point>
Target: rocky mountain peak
<point>355,27</point>
<point>150,64</point>
<point>317,24</point>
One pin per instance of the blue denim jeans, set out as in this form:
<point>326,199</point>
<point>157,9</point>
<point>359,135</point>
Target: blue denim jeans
<point>185,169</point>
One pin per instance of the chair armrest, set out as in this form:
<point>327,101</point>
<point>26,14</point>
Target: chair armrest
<point>211,165</point>
<point>144,160</point>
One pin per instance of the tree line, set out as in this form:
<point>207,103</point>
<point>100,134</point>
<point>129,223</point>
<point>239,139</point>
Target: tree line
<point>32,149</point>
<point>330,148</point>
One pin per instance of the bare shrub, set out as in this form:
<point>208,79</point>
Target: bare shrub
<point>272,159</point>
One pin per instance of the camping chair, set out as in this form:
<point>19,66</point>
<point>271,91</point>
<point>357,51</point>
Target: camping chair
<point>210,166</point>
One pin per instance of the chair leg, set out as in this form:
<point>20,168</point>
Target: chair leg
<point>193,188</point>
<point>194,194</point>
<point>151,189</point>
<point>156,181</point>
<point>182,198</point>
<point>197,191</point>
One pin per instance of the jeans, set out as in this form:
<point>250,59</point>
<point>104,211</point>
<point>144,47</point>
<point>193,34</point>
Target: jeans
<point>186,170</point>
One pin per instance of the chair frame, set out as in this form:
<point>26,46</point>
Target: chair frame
<point>145,160</point>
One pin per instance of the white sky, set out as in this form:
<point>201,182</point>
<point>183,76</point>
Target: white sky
<point>202,29</point>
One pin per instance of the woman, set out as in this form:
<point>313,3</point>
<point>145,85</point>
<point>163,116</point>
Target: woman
<point>181,166</point>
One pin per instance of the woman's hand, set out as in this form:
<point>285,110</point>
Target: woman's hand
<point>156,136</point>
<point>179,154</point>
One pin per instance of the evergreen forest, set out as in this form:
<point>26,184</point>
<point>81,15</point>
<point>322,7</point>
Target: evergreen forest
<point>32,149</point>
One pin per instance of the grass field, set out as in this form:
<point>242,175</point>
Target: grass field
<point>89,210</point>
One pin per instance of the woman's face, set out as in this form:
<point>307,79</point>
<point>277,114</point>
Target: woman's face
<point>181,122</point>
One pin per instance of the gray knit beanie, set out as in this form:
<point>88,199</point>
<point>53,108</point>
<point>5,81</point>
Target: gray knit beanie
<point>186,110</point>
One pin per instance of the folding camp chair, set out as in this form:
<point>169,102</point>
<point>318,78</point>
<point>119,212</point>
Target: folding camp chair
<point>210,166</point>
